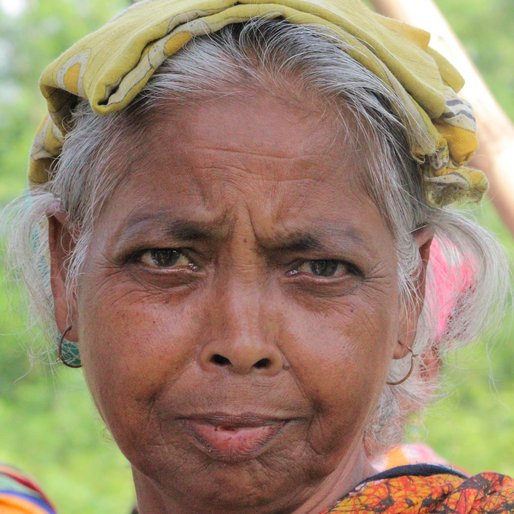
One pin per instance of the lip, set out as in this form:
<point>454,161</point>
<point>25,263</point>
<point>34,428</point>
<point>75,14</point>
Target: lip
<point>232,438</point>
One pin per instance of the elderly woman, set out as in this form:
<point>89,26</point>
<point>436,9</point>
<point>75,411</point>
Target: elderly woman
<point>237,200</point>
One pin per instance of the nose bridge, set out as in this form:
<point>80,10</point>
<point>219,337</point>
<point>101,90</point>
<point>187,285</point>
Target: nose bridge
<point>244,308</point>
<point>241,339</point>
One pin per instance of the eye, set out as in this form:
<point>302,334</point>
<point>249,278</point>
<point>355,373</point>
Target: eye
<point>164,258</point>
<point>324,268</point>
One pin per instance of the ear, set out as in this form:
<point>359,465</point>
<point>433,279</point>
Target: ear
<point>409,315</point>
<point>61,245</point>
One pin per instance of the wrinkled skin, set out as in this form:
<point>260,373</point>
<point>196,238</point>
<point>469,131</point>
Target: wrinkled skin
<point>279,303</point>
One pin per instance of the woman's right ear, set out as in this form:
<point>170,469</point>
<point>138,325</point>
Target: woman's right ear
<point>61,245</point>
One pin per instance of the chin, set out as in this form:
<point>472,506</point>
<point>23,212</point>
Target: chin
<point>265,484</point>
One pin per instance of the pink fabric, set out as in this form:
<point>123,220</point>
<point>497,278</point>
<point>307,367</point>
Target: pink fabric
<point>452,281</point>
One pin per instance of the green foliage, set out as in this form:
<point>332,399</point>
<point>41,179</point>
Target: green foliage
<point>27,44</point>
<point>50,427</point>
<point>485,29</point>
<point>47,423</point>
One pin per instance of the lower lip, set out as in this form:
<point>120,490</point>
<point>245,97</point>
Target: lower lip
<point>235,444</point>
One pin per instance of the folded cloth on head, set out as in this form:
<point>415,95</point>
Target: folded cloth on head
<point>112,65</point>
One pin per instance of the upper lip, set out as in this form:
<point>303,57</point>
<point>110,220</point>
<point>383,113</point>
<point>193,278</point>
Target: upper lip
<point>246,419</point>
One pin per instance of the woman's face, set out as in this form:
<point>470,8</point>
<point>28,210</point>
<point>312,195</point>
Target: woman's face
<point>238,309</point>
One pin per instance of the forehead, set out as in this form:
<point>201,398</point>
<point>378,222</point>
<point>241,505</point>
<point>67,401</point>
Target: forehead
<point>289,161</point>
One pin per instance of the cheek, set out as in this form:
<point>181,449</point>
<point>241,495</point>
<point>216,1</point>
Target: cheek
<point>340,358</point>
<point>133,344</point>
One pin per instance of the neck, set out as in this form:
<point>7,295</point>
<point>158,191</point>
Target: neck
<point>344,478</point>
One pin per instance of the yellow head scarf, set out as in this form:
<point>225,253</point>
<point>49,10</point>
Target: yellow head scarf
<point>112,65</point>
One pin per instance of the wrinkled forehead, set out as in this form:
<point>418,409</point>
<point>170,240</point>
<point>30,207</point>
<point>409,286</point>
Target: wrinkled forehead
<point>259,134</point>
<point>256,135</point>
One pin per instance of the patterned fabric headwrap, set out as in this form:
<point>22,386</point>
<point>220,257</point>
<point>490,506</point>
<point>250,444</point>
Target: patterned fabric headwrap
<point>112,65</point>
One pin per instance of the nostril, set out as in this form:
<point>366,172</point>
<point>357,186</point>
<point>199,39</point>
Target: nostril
<point>220,360</point>
<point>263,363</point>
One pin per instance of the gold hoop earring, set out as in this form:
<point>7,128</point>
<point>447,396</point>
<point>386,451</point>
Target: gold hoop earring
<point>409,373</point>
<point>68,351</point>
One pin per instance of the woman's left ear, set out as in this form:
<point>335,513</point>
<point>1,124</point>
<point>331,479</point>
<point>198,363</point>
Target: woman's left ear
<point>410,313</point>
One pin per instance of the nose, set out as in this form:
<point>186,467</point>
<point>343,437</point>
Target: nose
<point>249,357</point>
<point>242,340</point>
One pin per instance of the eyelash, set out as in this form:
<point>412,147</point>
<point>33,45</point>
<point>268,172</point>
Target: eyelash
<point>331,263</point>
<point>322,264</point>
<point>138,258</point>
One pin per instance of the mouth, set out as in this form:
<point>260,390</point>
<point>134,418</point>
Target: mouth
<point>231,438</point>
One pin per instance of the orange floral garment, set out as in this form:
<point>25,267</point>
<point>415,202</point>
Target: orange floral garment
<point>440,493</point>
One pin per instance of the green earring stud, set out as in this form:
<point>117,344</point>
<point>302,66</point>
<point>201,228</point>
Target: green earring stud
<point>68,351</point>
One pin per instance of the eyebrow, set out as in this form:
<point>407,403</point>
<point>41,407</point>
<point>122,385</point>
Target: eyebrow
<point>176,229</point>
<point>297,243</point>
<point>320,239</point>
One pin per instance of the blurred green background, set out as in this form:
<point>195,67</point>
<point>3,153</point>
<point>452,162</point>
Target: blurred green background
<point>47,423</point>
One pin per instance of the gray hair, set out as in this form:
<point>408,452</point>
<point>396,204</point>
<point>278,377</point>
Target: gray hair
<point>298,61</point>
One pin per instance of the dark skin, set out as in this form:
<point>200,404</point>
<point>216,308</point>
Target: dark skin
<point>239,310</point>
